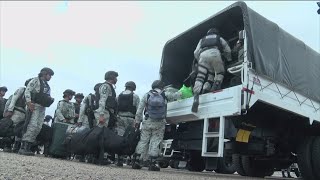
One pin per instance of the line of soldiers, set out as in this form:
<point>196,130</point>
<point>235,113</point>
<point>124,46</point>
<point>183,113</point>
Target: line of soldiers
<point>101,108</point>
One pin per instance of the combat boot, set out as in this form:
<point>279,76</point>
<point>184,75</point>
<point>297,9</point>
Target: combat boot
<point>16,146</point>
<point>26,149</point>
<point>153,165</point>
<point>119,161</point>
<point>136,162</point>
<point>7,147</point>
<point>195,104</point>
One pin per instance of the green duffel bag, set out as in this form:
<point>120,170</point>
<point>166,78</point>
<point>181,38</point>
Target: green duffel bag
<point>57,147</point>
<point>186,92</point>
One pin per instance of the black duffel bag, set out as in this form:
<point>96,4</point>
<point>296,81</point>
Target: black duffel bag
<point>6,127</point>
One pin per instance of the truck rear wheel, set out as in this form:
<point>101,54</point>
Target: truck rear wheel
<point>256,168</point>
<point>236,159</point>
<point>163,163</point>
<point>305,159</point>
<point>226,165</point>
<point>316,157</point>
<point>196,162</point>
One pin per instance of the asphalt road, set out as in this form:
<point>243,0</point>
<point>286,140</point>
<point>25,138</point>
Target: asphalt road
<point>14,166</point>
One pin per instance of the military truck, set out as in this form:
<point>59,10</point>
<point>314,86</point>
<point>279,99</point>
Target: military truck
<point>268,119</point>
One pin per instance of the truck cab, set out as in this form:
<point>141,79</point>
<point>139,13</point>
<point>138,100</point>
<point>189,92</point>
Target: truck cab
<point>267,114</point>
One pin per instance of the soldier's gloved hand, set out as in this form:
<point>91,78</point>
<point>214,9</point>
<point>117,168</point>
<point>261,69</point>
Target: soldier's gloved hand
<point>30,106</point>
<point>77,116</point>
<point>101,120</point>
<point>137,125</point>
<point>79,124</point>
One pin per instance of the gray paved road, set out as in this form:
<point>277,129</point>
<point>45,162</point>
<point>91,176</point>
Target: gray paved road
<point>13,166</point>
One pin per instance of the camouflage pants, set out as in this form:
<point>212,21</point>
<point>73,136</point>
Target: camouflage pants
<point>35,124</point>
<point>123,123</point>
<point>106,116</point>
<point>152,133</point>
<point>84,120</point>
<point>211,59</point>
<point>17,117</point>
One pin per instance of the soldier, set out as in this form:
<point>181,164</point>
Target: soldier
<point>16,111</point>
<point>47,120</point>
<point>106,96</point>
<point>78,97</point>
<point>38,97</point>
<point>128,102</point>
<point>3,100</point>
<point>155,104</point>
<point>210,65</point>
<point>86,116</point>
<point>65,111</point>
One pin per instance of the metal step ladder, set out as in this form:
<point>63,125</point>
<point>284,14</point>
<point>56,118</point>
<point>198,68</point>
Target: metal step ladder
<point>218,134</point>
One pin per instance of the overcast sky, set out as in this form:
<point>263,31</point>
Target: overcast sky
<point>81,40</point>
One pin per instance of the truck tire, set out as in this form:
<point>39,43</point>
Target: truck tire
<point>255,168</point>
<point>225,166</point>
<point>236,159</point>
<point>316,157</point>
<point>305,159</point>
<point>163,164</point>
<point>196,162</point>
<point>174,164</point>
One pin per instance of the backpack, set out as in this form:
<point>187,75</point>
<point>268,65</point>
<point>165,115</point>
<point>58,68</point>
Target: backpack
<point>156,105</point>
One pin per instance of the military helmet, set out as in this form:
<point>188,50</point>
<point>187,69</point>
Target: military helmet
<point>79,95</point>
<point>48,117</point>
<point>47,70</point>
<point>110,75</point>
<point>213,31</point>
<point>130,84</point>
<point>157,84</point>
<point>69,92</point>
<point>3,88</point>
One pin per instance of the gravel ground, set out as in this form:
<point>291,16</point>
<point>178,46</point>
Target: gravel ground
<point>14,166</point>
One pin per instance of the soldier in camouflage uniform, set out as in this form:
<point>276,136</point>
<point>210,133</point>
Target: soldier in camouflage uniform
<point>211,69</point>
<point>152,130</point>
<point>107,100</point>
<point>65,111</point>
<point>38,97</point>
<point>3,100</point>
<point>128,102</point>
<point>78,97</point>
<point>86,114</point>
<point>16,111</point>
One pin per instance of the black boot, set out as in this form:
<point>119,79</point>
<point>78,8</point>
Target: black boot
<point>136,162</point>
<point>119,161</point>
<point>7,147</point>
<point>25,149</point>
<point>16,146</point>
<point>153,164</point>
<point>195,104</point>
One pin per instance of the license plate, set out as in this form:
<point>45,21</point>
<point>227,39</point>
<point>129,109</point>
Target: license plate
<point>182,164</point>
<point>243,136</point>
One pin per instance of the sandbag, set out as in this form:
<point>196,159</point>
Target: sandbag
<point>57,147</point>
<point>6,127</point>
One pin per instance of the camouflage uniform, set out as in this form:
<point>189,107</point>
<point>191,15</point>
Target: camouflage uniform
<point>210,60</point>
<point>83,117</point>
<point>152,131</point>
<point>126,119</point>
<point>105,92</point>
<point>65,112</point>
<point>37,116</point>
<point>7,105</point>
<point>18,112</point>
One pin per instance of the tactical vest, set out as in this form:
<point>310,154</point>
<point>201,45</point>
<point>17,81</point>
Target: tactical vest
<point>210,41</point>
<point>43,98</point>
<point>111,102</point>
<point>125,103</point>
